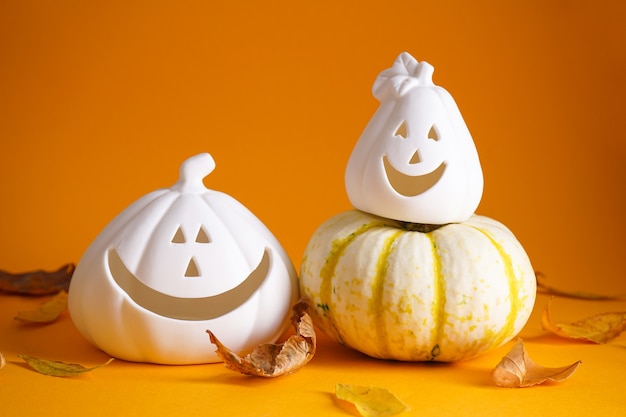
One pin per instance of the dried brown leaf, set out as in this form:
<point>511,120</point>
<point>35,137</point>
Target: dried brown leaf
<point>272,360</point>
<point>371,401</point>
<point>544,288</point>
<point>46,312</point>
<point>598,328</point>
<point>517,370</point>
<point>37,282</point>
<point>56,368</point>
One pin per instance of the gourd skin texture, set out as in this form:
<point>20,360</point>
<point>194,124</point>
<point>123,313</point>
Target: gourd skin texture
<point>446,295</point>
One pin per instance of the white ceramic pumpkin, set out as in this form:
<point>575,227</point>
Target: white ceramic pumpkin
<point>416,160</point>
<point>404,291</point>
<point>175,263</point>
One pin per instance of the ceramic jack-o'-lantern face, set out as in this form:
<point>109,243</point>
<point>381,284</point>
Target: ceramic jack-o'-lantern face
<point>416,160</point>
<point>175,263</point>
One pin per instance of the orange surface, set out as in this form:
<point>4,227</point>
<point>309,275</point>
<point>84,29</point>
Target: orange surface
<point>430,389</point>
<point>101,101</point>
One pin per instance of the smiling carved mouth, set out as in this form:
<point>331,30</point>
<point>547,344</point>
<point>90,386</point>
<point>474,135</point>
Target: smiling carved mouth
<point>203,308</point>
<point>411,185</point>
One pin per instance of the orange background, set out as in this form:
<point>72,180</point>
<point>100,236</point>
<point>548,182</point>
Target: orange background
<point>100,102</point>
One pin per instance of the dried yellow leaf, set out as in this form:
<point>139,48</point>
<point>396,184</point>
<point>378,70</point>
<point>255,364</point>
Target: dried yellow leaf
<point>46,312</point>
<point>56,368</point>
<point>517,370</point>
<point>272,360</point>
<point>371,401</point>
<point>599,328</point>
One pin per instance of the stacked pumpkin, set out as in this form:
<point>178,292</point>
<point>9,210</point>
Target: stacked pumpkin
<point>412,273</point>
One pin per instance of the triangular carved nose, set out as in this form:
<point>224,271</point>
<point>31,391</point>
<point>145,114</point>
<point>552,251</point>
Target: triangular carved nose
<point>192,269</point>
<point>415,159</point>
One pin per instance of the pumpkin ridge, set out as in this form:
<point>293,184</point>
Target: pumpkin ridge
<point>327,272</point>
<point>441,295</point>
<point>439,306</point>
<point>375,305</point>
<point>166,200</point>
<point>117,226</point>
<point>515,302</point>
<point>217,212</point>
<point>129,296</point>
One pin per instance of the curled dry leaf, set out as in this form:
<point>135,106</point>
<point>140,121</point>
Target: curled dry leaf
<point>37,282</point>
<point>371,401</point>
<point>272,360</point>
<point>517,370</point>
<point>56,368</point>
<point>599,328</point>
<point>46,312</point>
<point>544,288</point>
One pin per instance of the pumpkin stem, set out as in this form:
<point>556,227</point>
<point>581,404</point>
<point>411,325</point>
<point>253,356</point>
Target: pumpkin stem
<point>420,227</point>
<point>425,74</point>
<point>192,171</point>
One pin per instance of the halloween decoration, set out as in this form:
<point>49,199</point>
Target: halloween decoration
<point>414,274</point>
<point>390,292</point>
<point>416,160</point>
<point>175,263</point>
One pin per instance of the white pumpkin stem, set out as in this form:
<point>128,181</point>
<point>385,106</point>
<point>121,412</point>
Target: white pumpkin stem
<point>425,73</point>
<point>405,74</point>
<point>191,173</point>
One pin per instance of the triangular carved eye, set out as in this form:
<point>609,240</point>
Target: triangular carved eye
<point>179,236</point>
<point>402,130</point>
<point>203,236</point>
<point>192,269</point>
<point>433,134</point>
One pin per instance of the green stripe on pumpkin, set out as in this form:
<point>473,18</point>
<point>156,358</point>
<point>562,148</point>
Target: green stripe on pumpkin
<point>375,306</point>
<point>439,306</point>
<point>338,248</point>
<point>516,303</point>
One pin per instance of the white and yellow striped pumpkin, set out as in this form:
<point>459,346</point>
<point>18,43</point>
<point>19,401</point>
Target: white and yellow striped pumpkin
<point>397,290</point>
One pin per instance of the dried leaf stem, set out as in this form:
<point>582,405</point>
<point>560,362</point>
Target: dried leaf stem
<point>544,288</point>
